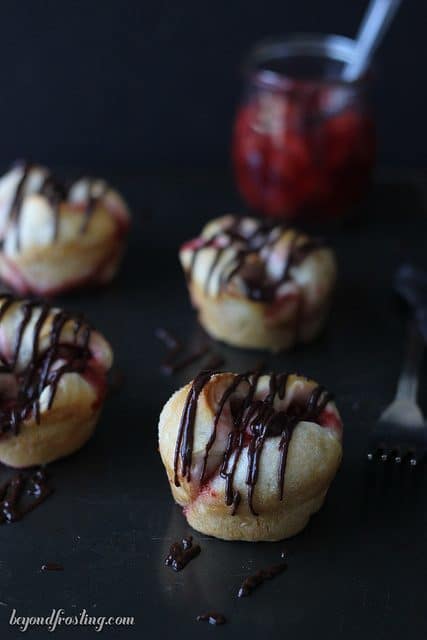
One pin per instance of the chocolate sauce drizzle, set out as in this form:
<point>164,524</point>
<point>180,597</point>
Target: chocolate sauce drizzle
<point>173,363</point>
<point>258,285</point>
<point>168,367</point>
<point>253,421</point>
<point>41,371</point>
<point>212,617</point>
<point>92,204</point>
<point>252,582</point>
<point>14,495</point>
<point>51,566</point>
<point>181,553</point>
<point>55,192</point>
<point>168,339</point>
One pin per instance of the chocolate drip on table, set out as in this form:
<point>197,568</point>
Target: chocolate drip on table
<point>168,339</point>
<point>169,366</point>
<point>252,582</point>
<point>181,553</point>
<point>40,373</point>
<point>259,287</point>
<point>172,364</point>
<point>212,617</point>
<point>253,421</point>
<point>55,192</point>
<point>52,566</point>
<point>14,501</point>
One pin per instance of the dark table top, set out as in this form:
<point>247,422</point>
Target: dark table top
<point>357,571</point>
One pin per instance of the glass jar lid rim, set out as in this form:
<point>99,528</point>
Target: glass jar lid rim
<point>326,46</point>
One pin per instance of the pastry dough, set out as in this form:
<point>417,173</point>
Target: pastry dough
<point>250,457</point>
<point>52,382</point>
<point>257,284</point>
<point>56,238</point>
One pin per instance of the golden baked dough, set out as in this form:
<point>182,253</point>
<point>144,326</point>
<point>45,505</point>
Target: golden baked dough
<point>52,382</point>
<point>262,478</point>
<point>257,284</point>
<point>57,238</point>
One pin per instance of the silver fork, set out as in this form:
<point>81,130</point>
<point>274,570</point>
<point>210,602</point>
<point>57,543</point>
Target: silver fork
<point>401,431</point>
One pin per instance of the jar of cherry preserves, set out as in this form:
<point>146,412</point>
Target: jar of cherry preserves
<point>304,138</point>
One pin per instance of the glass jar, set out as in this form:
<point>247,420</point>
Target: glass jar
<point>304,139</point>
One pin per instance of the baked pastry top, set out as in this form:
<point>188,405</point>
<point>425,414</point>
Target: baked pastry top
<point>250,456</point>
<point>257,283</point>
<point>52,383</point>
<point>57,236</point>
<point>255,258</point>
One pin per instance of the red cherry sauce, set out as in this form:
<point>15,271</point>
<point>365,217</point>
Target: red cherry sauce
<point>299,152</point>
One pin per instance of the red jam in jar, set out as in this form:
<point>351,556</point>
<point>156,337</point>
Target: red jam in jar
<point>304,139</point>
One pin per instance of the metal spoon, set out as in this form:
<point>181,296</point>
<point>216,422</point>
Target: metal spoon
<point>375,23</point>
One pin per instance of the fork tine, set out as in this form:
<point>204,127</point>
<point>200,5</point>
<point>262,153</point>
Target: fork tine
<point>374,454</point>
<point>396,456</point>
<point>416,457</point>
<point>410,457</point>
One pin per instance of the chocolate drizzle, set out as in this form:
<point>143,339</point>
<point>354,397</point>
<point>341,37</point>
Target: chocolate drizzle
<point>212,617</point>
<point>184,441</point>
<point>92,203</point>
<point>168,339</point>
<point>252,582</point>
<point>244,246</point>
<point>43,369</point>
<point>169,366</point>
<point>173,363</point>
<point>51,566</point>
<point>181,553</point>
<point>14,501</point>
<point>253,421</point>
<point>16,205</point>
<point>55,192</point>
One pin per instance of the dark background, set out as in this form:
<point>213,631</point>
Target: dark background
<point>126,85</point>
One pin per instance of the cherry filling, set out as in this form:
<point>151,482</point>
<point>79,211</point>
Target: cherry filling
<point>330,419</point>
<point>291,158</point>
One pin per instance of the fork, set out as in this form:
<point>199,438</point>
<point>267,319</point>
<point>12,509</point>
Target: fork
<point>401,431</point>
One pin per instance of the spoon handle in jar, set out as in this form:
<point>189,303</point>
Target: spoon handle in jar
<point>375,23</point>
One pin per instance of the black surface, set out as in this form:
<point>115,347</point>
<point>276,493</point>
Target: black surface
<point>357,571</point>
<point>126,85</point>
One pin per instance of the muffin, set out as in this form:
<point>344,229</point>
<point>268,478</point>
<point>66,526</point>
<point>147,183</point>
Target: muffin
<point>259,285</point>
<point>250,456</point>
